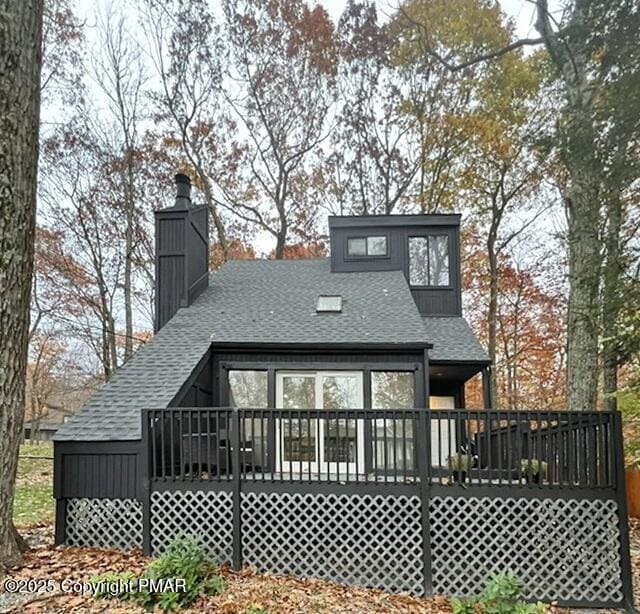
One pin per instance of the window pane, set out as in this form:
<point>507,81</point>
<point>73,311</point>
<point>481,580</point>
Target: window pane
<point>418,261</point>
<point>393,445</point>
<point>299,435</point>
<point>393,439</point>
<point>357,247</point>
<point>439,260</point>
<point>392,389</point>
<point>340,440</point>
<point>299,440</point>
<point>298,392</point>
<point>377,246</point>
<point>340,392</point>
<point>248,389</point>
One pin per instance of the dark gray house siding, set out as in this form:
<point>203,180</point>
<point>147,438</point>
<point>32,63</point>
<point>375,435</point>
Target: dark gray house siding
<point>435,301</point>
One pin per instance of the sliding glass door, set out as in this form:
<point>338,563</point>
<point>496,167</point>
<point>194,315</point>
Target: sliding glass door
<point>319,445</point>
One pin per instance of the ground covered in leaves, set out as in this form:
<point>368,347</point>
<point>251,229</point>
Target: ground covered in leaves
<point>246,592</point>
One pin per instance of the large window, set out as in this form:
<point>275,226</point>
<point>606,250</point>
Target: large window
<point>393,438</point>
<point>429,261</point>
<point>327,444</point>
<point>363,247</point>
<point>249,389</point>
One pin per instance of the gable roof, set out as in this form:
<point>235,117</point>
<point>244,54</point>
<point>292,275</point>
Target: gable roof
<point>261,301</point>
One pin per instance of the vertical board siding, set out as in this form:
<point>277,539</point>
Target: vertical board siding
<point>182,259</point>
<point>430,301</point>
<point>82,473</point>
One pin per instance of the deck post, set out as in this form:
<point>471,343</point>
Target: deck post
<point>237,489</point>
<point>423,452</point>
<point>61,504</point>
<point>146,485</point>
<point>487,393</point>
<point>621,491</point>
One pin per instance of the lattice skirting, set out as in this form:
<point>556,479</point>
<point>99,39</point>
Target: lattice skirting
<point>104,523</point>
<point>205,515</point>
<point>355,539</point>
<point>560,549</point>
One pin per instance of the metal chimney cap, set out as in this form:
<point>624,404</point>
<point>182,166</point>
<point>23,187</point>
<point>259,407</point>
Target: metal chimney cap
<point>183,191</point>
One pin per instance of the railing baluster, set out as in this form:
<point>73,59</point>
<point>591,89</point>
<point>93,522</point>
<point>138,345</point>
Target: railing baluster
<point>576,449</point>
<point>200,473</point>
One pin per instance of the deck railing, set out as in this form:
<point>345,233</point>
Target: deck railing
<point>529,449</point>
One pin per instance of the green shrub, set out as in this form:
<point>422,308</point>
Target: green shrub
<point>184,559</point>
<point>533,466</point>
<point>460,462</point>
<point>500,596</point>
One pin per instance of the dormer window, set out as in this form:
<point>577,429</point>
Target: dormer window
<point>367,247</point>
<point>429,261</point>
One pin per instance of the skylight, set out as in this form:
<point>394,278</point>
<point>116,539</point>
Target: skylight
<point>329,304</point>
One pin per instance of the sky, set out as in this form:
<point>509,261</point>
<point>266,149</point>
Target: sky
<point>522,12</point>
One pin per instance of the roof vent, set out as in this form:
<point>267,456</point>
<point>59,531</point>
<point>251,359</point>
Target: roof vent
<point>329,304</point>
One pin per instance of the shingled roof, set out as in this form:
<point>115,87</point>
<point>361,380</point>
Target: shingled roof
<point>264,301</point>
<point>453,340</point>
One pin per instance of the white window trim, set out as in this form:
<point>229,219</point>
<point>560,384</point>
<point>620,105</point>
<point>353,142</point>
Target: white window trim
<point>320,464</point>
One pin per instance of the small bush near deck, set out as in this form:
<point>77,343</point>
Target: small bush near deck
<point>184,558</point>
<point>500,596</point>
<point>533,466</point>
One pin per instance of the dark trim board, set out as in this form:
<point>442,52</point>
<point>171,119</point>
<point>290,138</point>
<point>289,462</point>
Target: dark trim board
<point>297,348</point>
<point>368,221</point>
<point>314,359</point>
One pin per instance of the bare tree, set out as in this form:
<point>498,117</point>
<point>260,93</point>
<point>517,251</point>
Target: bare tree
<point>79,197</point>
<point>120,74</point>
<point>283,64</point>
<point>187,52</point>
<point>20,64</point>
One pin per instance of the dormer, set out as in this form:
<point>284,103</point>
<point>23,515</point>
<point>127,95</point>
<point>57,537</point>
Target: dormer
<point>426,248</point>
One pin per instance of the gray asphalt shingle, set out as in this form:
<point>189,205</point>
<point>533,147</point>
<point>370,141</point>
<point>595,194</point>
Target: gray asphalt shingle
<point>262,301</point>
<point>452,339</point>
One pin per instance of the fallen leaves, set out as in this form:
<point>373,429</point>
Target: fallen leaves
<point>272,593</point>
<point>247,588</point>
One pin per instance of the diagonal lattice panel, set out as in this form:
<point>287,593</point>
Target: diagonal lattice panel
<point>206,515</point>
<point>104,523</point>
<point>356,539</point>
<point>560,549</point>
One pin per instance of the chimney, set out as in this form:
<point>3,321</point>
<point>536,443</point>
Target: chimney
<point>182,253</point>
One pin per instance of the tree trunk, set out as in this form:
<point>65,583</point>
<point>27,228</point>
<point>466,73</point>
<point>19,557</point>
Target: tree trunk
<point>611,301</point>
<point>578,150</point>
<point>583,208</point>
<point>20,63</point>
<point>492,316</point>
<point>128,260</point>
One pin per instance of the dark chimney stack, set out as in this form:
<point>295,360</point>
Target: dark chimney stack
<point>183,192</point>
<point>182,253</point>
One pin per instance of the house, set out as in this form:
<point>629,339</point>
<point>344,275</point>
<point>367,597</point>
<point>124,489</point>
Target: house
<point>308,417</point>
<point>40,430</point>
<point>44,427</point>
